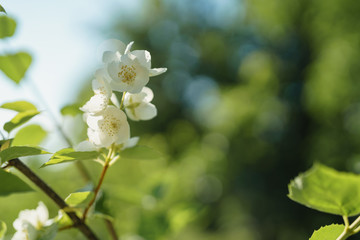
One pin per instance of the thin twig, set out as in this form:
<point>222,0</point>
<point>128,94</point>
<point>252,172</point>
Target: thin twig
<point>54,196</point>
<point>101,179</point>
<point>96,191</point>
<point>66,227</point>
<point>111,229</point>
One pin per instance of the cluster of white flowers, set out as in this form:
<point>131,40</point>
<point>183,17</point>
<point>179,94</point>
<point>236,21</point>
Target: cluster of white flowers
<point>124,71</point>
<point>29,222</point>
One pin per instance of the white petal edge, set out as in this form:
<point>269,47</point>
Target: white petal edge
<point>146,111</point>
<point>132,142</point>
<point>96,104</point>
<point>128,47</point>
<point>143,57</point>
<point>156,71</point>
<point>112,45</point>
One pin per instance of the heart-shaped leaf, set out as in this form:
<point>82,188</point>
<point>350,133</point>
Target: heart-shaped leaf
<point>327,190</point>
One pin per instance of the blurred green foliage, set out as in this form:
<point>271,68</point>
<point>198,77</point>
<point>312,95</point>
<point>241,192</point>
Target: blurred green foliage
<point>256,91</point>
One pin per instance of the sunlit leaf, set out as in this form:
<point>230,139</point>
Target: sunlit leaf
<point>3,229</point>
<point>13,184</point>
<point>19,106</point>
<point>20,151</point>
<point>71,110</point>
<point>69,154</point>
<point>19,119</point>
<point>330,232</point>
<point>15,65</point>
<point>29,135</point>
<point>64,220</point>
<point>7,25</point>
<point>140,152</point>
<point>79,199</point>
<point>327,190</point>
<point>4,144</point>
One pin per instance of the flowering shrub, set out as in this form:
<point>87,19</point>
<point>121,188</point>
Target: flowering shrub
<point>124,71</point>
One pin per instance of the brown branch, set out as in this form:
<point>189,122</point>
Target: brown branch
<point>111,229</point>
<point>54,196</point>
<point>96,191</point>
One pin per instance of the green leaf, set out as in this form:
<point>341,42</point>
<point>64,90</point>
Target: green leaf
<point>330,232</point>
<point>2,9</point>
<point>4,144</point>
<point>101,207</point>
<point>79,199</point>
<point>20,151</point>
<point>327,190</point>
<point>3,229</point>
<point>71,110</point>
<point>19,106</point>
<point>7,25</point>
<point>19,119</point>
<point>69,154</point>
<point>13,184</point>
<point>15,65</point>
<point>65,220</point>
<point>30,135</point>
<point>140,152</point>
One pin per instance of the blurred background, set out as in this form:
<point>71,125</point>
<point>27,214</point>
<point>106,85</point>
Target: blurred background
<point>256,92</point>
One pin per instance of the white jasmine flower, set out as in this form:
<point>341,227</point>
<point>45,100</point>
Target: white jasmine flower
<point>138,106</point>
<point>102,90</point>
<point>30,221</point>
<point>109,126</point>
<point>129,71</point>
<point>27,232</point>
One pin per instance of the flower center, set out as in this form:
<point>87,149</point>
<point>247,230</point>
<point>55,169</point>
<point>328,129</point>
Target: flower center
<point>127,74</point>
<point>102,90</point>
<point>110,125</point>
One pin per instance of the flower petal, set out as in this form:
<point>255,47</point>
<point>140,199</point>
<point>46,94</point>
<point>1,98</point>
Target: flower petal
<point>146,111</point>
<point>100,84</point>
<point>114,100</point>
<point>94,137</point>
<point>110,45</point>
<point>149,94</point>
<point>130,112</point>
<point>96,104</point>
<point>93,121</point>
<point>124,133</point>
<point>156,71</point>
<point>42,213</point>
<point>131,142</point>
<point>143,57</point>
<point>109,56</point>
<point>128,47</point>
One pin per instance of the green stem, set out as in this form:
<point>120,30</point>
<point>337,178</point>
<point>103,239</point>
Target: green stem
<point>349,230</point>
<point>122,100</point>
